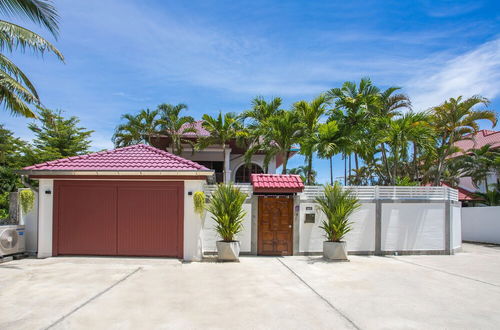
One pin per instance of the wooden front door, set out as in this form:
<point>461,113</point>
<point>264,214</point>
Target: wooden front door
<point>275,226</point>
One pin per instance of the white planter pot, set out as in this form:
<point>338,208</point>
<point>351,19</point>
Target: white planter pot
<point>228,251</point>
<point>335,250</point>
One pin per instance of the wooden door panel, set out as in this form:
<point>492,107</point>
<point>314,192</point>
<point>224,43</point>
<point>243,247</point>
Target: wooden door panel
<point>275,233</point>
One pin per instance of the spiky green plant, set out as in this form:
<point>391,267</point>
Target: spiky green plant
<point>337,204</point>
<point>226,207</point>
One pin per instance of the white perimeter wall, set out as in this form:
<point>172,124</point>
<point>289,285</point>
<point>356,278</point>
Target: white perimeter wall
<point>456,226</point>
<point>45,202</point>
<point>361,237</point>
<point>410,227</point>
<point>481,224</point>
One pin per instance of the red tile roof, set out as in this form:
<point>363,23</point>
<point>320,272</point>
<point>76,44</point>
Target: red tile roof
<point>463,194</point>
<point>200,131</point>
<point>276,183</point>
<point>480,139</point>
<point>138,157</point>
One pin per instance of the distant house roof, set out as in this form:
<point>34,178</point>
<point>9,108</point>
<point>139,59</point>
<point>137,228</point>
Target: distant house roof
<point>199,130</point>
<point>464,194</point>
<point>478,140</point>
<point>138,157</point>
<point>276,183</point>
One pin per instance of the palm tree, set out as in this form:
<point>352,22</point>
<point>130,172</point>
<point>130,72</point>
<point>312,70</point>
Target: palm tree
<point>310,114</point>
<point>478,164</point>
<point>409,128</point>
<point>174,125</point>
<point>454,119</point>
<point>302,172</point>
<point>261,110</point>
<point>355,103</point>
<point>17,93</point>
<point>138,128</point>
<point>330,142</point>
<point>281,132</point>
<point>223,129</point>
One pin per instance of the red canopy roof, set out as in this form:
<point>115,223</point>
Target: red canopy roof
<point>276,183</point>
<point>138,157</point>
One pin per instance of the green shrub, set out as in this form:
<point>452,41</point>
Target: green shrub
<point>226,206</point>
<point>27,200</point>
<point>337,204</point>
<point>199,202</point>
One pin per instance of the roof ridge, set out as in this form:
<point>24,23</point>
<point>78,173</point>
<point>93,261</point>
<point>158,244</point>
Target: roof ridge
<point>168,154</point>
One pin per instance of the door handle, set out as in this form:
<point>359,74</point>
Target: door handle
<point>289,226</point>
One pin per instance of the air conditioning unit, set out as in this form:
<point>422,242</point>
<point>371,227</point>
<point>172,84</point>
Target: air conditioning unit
<point>12,240</point>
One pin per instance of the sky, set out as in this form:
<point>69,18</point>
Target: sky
<point>122,56</point>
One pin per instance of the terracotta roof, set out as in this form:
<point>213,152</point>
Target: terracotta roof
<point>478,140</point>
<point>138,157</point>
<point>276,183</point>
<point>463,194</point>
<point>198,127</point>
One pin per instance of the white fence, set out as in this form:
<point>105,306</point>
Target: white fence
<point>244,187</point>
<point>391,192</point>
<point>481,224</point>
<point>369,192</point>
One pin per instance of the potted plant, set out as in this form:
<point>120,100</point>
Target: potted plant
<point>226,207</point>
<point>337,204</point>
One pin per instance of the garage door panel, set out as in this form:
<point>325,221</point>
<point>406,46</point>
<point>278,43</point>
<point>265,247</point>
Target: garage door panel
<point>118,218</point>
<point>87,219</point>
<point>148,221</point>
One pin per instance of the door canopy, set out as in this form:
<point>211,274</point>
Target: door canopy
<point>276,183</point>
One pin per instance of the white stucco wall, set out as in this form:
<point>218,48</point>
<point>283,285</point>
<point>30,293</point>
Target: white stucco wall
<point>413,226</point>
<point>256,159</point>
<point>361,237</point>
<point>45,204</point>
<point>481,224</point>
<point>193,229</point>
<point>210,236</point>
<point>456,226</point>
<point>30,221</point>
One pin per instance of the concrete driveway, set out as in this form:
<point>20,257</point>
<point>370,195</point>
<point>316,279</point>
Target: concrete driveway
<point>460,291</point>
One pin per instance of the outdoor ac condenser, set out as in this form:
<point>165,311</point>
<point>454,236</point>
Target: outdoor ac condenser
<point>12,240</point>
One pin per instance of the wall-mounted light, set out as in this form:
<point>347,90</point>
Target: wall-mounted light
<point>48,192</point>
<point>190,193</point>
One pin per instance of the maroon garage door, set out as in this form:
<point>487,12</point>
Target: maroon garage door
<point>128,218</point>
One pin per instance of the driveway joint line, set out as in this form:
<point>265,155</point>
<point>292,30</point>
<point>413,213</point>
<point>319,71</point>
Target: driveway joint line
<point>446,272</point>
<point>62,318</point>
<point>320,296</point>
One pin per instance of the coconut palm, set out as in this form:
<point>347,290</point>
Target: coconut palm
<point>310,114</point>
<point>223,129</point>
<point>302,172</point>
<point>17,92</point>
<point>174,125</point>
<point>261,110</point>
<point>454,119</point>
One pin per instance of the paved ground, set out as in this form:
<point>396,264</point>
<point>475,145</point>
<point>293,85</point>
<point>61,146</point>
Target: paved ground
<point>419,292</point>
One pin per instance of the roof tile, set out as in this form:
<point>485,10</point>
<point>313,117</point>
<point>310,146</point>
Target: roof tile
<point>285,183</point>
<point>138,157</point>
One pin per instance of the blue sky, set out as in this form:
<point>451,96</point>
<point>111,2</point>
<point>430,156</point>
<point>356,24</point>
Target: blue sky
<point>122,56</point>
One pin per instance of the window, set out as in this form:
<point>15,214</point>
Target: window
<point>244,171</point>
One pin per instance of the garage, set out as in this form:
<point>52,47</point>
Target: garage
<point>131,201</point>
<point>118,218</point>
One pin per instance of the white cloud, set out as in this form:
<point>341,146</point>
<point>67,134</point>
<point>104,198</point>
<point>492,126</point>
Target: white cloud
<point>475,72</point>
